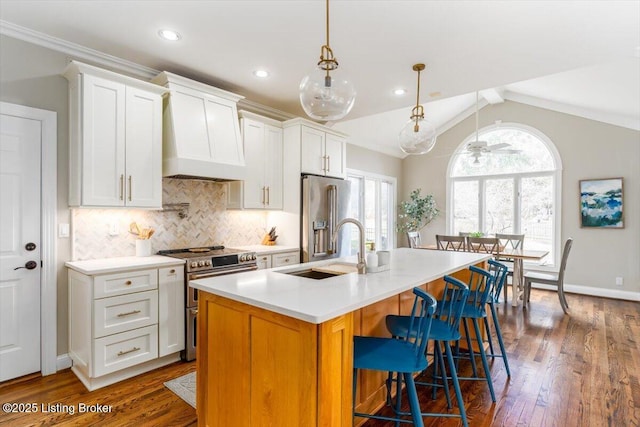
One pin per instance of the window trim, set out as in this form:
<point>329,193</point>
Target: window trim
<point>356,173</point>
<point>556,173</point>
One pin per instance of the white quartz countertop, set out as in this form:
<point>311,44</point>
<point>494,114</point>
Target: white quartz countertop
<point>111,265</point>
<point>317,301</point>
<point>267,250</point>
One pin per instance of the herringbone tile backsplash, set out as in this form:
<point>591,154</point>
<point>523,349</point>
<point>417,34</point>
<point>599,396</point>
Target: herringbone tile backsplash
<point>207,223</point>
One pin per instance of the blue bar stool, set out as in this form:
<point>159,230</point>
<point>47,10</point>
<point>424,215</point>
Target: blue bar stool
<point>480,286</point>
<point>499,273</point>
<point>402,356</point>
<point>444,328</point>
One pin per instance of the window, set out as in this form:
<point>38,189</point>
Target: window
<point>373,199</point>
<point>513,192</point>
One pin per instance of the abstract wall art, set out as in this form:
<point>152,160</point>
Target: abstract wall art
<point>601,204</point>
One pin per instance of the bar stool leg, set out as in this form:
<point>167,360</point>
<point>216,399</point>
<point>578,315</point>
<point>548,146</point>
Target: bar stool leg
<point>456,384</point>
<point>500,341</point>
<point>483,356</point>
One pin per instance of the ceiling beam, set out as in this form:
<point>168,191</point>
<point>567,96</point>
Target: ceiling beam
<point>493,96</point>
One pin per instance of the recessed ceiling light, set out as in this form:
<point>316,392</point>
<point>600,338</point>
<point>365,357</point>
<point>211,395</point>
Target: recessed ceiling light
<point>169,35</point>
<point>263,74</point>
<point>399,92</point>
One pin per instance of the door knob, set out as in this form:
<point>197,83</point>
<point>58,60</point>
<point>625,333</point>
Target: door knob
<point>30,265</point>
<point>30,246</point>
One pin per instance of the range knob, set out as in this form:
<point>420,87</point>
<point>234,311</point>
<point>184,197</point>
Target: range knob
<point>200,263</point>
<point>243,258</point>
<point>194,264</point>
<point>208,263</point>
<point>254,257</point>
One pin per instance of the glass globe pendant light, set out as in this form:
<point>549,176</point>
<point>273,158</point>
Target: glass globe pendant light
<point>327,93</point>
<point>418,136</point>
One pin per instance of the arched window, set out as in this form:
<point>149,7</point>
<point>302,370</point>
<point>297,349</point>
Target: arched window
<point>515,190</point>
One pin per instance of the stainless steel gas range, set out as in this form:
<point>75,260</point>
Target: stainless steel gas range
<point>202,263</point>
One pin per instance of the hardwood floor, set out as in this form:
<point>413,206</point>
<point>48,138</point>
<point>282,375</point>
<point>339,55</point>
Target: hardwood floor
<point>581,370</point>
<point>139,401</point>
<point>577,370</point>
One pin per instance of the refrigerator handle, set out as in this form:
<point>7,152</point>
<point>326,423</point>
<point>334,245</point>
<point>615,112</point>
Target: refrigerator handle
<point>332,197</point>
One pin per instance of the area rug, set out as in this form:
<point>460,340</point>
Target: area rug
<point>184,387</point>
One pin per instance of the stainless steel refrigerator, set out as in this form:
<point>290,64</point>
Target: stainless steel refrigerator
<point>325,201</point>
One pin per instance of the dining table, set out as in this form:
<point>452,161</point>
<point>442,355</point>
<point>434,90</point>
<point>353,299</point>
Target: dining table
<point>518,256</point>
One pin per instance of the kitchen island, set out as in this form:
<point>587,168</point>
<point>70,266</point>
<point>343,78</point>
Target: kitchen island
<point>276,349</point>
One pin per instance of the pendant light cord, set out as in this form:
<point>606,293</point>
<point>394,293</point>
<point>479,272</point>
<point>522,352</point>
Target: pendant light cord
<point>327,18</point>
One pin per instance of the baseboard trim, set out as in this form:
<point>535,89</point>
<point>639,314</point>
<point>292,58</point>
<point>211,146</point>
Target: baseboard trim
<point>63,362</point>
<point>594,292</point>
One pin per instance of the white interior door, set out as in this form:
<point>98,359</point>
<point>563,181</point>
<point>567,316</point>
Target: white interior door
<point>20,249</point>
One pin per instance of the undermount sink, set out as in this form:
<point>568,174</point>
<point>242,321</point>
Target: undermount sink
<point>323,271</point>
<point>312,274</point>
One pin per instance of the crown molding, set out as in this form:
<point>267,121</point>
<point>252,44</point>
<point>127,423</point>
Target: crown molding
<point>628,122</point>
<point>75,50</point>
<point>263,110</point>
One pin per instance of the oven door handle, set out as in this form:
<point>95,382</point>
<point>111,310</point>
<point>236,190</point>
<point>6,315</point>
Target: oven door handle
<point>221,273</point>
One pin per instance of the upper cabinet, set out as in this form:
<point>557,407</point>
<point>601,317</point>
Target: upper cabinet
<point>115,143</point>
<point>263,150</point>
<point>322,150</point>
<point>201,132</point>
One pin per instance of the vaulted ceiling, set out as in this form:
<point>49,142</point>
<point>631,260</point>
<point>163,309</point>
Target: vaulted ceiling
<point>581,57</point>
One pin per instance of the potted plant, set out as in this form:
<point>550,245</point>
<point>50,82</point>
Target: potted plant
<point>415,214</point>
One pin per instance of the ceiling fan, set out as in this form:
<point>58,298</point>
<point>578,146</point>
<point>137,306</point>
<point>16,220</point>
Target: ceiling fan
<point>477,148</point>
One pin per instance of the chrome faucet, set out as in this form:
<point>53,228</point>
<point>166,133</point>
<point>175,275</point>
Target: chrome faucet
<point>361,263</point>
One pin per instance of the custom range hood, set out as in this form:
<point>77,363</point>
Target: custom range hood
<point>201,133</point>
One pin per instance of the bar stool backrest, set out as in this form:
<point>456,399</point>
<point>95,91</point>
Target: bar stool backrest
<point>424,307</point>
<point>452,302</point>
<point>480,286</point>
<point>499,273</point>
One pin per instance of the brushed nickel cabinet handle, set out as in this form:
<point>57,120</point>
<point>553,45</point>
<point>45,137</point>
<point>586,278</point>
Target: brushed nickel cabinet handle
<point>268,195</point>
<point>130,187</point>
<point>122,353</point>
<point>121,187</point>
<point>328,163</point>
<point>129,313</point>
<point>128,282</point>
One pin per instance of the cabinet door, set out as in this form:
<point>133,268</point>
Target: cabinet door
<point>143,149</point>
<point>254,192</point>
<point>264,261</point>
<point>335,147</point>
<point>287,258</point>
<point>312,158</point>
<point>273,166</point>
<point>103,136</point>
<point>170,310</point>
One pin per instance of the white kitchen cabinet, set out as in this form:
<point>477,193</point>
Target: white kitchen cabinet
<point>123,323</point>
<point>266,260</point>
<point>322,150</point>
<point>171,319</point>
<point>263,148</point>
<point>115,139</point>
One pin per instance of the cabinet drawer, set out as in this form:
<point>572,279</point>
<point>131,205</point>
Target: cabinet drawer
<point>124,312</point>
<point>288,258</point>
<point>125,283</point>
<point>123,350</point>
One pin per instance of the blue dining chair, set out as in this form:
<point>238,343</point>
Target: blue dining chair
<point>444,329</point>
<point>403,356</point>
<point>499,273</point>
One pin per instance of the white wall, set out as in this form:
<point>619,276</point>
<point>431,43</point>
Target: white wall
<point>588,149</point>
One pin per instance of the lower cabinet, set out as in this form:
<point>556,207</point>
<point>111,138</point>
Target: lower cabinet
<point>278,260</point>
<point>124,323</point>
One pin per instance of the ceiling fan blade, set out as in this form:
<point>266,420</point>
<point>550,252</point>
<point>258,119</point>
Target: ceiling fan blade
<point>499,146</point>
